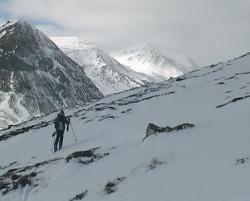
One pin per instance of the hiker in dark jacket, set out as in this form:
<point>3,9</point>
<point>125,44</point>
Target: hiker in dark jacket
<point>60,122</point>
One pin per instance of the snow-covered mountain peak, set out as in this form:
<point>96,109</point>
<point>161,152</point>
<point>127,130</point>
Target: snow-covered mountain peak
<point>4,28</point>
<point>89,52</point>
<point>8,23</point>
<point>147,59</point>
<point>22,23</point>
<point>73,43</point>
<point>140,48</point>
<point>15,23</point>
<point>107,73</point>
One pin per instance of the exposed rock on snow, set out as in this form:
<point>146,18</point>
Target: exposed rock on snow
<point>154,163</point>
<point>19,131</point>
<point>242,160</point>
<point>153,129</point>
<point>233,101</point>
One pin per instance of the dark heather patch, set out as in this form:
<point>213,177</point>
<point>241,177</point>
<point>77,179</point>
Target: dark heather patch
<point>126,111</point>
<point>154,163</point>
<point>18,178</point>
<point>86,157</point>
<point>79,196</point>
<point>111,186</point>
<point>241,160</point>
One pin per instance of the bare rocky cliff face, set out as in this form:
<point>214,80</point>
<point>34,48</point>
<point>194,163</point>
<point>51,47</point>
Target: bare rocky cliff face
<point>36,76</point>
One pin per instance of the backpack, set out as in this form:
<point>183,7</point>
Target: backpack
<point>59,124</point>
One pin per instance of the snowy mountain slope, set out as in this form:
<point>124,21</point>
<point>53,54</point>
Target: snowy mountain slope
<point>107,74</point>
<point>36,76</point>
<point>144,58</point>
<point>208,162</point>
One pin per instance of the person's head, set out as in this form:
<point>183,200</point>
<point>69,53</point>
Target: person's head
<point>61,113</point>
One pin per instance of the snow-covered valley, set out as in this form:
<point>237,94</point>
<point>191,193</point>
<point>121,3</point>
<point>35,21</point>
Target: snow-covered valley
<point>210,161</point>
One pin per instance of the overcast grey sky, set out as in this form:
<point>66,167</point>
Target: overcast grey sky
<point>208,31</point>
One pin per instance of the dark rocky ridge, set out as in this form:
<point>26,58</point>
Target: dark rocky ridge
<point>37,75</point>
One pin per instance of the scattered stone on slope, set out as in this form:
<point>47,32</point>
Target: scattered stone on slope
<point>12,181</point>
<point>154,163</point>
<point>243,87</point>
<point>9,165</point>
<point>106,117</point>
<point>88,121</point>
<point>79,196</point>
<point>180,78</point>
<point>101,107</point>
<point>111,186</point>
<point>86,157</point>
<point>17,178</point>
<point>233,101</point>
<point>126,111</point>
<point>147,92</point>
<point>241,160</point>
<point>235,76</point>
<point>23,130</point>
<point>153,129</point>
<point>136,98</point>
<point>220,83</point>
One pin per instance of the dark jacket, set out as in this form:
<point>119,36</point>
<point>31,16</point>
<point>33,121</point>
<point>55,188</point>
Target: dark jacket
<point>60,122</point>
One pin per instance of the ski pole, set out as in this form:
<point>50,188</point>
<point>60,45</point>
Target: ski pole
<point>52,148</point>
<point>73,131</point>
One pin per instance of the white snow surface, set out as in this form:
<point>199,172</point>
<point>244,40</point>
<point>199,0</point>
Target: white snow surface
<point>200,163</point>
<point>145,58</point>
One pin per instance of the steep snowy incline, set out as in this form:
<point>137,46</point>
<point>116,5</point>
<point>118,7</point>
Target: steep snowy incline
<point>36,76</point>
<point>146,59</point>
<point>108,74</point>
<point>210,161</point>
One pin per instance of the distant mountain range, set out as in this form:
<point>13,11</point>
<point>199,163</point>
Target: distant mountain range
<point>124,69</point>
<point>41,74</point>
<point>107,73</point>
<point>36,76</point>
